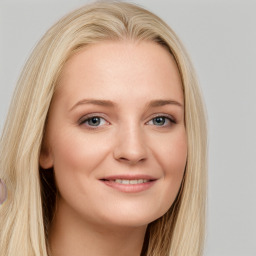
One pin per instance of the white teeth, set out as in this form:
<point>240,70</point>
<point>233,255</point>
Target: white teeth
<point>130,181</point>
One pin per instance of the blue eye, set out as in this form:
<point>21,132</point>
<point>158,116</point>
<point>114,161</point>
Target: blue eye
<point>161,121</point>
<point>94,121</point>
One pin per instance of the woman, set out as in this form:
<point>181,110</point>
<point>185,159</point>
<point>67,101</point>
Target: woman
<point>107,153</point>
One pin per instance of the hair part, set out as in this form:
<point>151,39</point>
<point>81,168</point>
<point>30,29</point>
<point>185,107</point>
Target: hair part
<point>29,209</point>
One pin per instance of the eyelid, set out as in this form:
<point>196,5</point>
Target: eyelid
<point>103,116</point>
<point>91,115</point>
<point>170,117</point>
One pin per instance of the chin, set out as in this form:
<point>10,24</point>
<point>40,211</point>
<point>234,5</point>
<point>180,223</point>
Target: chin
<point>131,218</point>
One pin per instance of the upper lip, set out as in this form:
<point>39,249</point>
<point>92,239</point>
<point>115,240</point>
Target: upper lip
<point>129,177</point>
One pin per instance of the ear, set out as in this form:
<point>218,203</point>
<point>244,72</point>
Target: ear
<point>45,158</point>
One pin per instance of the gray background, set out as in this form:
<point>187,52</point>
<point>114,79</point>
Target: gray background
<point>221,39</point>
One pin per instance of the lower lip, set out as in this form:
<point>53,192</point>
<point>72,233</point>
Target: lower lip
<point>129,188</point>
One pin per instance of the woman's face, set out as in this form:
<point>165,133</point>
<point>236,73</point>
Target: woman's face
<point>115,135</point>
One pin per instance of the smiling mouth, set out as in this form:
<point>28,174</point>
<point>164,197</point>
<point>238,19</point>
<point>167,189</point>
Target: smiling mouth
<point>129,182</point>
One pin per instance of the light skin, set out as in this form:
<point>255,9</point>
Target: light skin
<point>117,117</point>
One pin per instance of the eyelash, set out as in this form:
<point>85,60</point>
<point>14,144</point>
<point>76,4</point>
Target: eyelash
<point>86,119</point>
<point>166,117</point>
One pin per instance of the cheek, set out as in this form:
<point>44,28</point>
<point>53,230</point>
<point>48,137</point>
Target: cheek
<point>172,156</point>
<point>171,153</point>
<point>75,157</point>
<point>176,156</point>
<point>175,160</point>
<point>77,151</point>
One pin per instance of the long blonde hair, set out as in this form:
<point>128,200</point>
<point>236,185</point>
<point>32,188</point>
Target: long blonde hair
<point>26,215</point>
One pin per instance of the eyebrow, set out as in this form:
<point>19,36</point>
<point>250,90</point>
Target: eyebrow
<point>108,103</point>
<point>159,103</point>
<point>105,103</point>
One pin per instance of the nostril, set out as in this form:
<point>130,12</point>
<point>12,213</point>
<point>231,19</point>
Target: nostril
<point>131,160</point>
<point>130,146</point>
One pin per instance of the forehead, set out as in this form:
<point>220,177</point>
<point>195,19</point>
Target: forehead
<point>115,69</point>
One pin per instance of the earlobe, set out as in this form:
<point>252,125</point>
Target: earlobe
<point>45,159</point>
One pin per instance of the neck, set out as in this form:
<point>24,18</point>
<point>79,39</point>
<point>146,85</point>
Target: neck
<point>71,235</point>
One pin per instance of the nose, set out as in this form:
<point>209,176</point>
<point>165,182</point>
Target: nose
<point>130,146</point>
